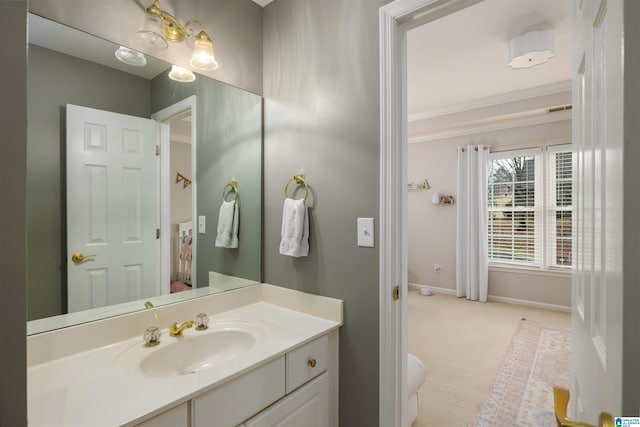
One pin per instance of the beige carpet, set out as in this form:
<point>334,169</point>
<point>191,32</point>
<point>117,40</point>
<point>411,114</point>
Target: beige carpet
<point>462,345</point>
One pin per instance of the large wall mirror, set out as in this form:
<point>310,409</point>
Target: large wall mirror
<point>134,181</point>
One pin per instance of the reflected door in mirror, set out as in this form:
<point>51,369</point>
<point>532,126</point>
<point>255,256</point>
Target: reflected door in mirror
<point>112,201</point>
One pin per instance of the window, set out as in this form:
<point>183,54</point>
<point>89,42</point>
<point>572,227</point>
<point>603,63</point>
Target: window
<point>529,207</point>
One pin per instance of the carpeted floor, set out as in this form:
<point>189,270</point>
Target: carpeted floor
<point>463,345</point>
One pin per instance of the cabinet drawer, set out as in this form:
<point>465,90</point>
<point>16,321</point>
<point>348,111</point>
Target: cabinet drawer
<point>235,401</point>
<point>306,362</point>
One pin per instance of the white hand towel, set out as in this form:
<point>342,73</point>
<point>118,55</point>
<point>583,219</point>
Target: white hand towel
<point>295,228</point>
<point>228,222</point>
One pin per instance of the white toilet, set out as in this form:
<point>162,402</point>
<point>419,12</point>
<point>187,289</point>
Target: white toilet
<point>416,374</point>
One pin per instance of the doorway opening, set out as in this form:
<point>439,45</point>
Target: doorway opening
<point>178,228</point>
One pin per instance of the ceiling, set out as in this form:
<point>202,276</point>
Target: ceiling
<point>459,62</point>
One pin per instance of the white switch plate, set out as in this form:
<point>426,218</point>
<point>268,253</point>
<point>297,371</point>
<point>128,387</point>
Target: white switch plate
<point>202,224</point>
<point>365,233</point>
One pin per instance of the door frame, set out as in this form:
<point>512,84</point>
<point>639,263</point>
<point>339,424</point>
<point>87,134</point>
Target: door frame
<point>396,18</point>
<point>165,182</point>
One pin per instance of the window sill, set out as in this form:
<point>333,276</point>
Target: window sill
<point>521,269</point>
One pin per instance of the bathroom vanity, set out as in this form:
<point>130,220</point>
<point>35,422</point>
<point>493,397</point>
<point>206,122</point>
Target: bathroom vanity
<point>269,356</point>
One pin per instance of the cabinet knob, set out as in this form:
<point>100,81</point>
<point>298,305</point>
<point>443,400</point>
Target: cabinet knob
<point>312,363</point>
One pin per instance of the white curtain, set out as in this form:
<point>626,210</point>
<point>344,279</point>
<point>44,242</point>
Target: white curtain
<point>471,241</point>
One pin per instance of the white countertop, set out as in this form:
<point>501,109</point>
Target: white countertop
<point>89,388</point>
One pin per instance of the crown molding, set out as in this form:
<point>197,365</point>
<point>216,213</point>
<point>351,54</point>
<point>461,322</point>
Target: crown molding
<point>503,98</point>
<point>493,124</point>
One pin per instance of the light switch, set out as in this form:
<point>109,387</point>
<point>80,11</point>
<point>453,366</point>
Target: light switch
<point>202,224</point>
<point>365,232</point>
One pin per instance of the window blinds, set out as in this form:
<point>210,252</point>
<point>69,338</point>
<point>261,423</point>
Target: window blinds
<point>529,206</point>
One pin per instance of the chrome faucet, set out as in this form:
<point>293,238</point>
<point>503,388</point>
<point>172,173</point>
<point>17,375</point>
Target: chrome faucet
<point>176,331</point>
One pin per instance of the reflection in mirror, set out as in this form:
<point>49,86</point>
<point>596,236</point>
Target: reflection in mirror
<point>142,226</point>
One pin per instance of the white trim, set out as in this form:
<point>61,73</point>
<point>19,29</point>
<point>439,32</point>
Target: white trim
<point>435,289</point>
<point>395,18</point>
<point>515,301</point>
<point>493,298</point>
<point>165,179</point>
<point>491,101</point>
<point>492,124</point>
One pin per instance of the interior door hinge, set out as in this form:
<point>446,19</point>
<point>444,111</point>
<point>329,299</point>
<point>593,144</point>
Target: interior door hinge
<point>157,150</point>
<point>396,292</point>
<point>157,233</point>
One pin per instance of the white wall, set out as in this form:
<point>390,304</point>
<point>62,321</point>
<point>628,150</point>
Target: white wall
<point>432,228</point>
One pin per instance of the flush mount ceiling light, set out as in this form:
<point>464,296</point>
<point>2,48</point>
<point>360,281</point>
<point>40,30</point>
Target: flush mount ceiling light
<point>180,74</point>
<point>531,49</point>
<point>131,57</point>
<point>159,27</point>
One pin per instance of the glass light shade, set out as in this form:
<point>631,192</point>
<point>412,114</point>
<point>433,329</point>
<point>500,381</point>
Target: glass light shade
<point>203,57</point>
<point>151,34</point>
<point>131,57</point>
<point>180,74</point>
<point>531,49</point>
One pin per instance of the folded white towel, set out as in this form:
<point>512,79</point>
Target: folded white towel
<point>295,228</point>
<point>228,222</point>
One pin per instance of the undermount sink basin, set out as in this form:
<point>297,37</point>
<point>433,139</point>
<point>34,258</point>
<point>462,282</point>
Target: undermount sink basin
<point>193,352</point>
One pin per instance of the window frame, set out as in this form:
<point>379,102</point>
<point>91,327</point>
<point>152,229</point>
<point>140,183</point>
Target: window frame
<point>544,245</point>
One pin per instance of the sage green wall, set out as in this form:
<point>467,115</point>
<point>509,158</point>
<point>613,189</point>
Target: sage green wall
<point>13,225</point>
<point>321,90</point>
<point>229,146</point>
<point>54,80</point>
<point>631,177</point>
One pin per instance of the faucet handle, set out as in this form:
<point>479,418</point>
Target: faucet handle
<point>152,336</point>
<point>202,321</point>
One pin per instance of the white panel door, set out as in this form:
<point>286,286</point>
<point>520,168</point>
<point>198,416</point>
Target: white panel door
<point>598,142</point>
<point>112,205</point>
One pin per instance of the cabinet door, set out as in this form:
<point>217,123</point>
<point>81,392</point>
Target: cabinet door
<point>175,417</point>
<point>308,406</point>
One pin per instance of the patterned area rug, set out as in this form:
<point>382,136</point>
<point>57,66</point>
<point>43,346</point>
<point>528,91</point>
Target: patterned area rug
<point>522,395</point>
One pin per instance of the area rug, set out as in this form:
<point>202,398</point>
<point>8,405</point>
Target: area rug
<point>522,394</point>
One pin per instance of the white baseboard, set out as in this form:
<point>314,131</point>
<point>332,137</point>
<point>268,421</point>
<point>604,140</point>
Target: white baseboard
<point>435,289</point>
<point>515,301</point>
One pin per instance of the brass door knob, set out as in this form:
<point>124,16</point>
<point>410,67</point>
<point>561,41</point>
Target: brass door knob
<point>312,363</point>
<point>79,257</point>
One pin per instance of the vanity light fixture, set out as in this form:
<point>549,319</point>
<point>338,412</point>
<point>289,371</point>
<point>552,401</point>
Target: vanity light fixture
<point>131,57</point>
<point>181,75</point>
<point>531,49</point>
<point>159,27</point>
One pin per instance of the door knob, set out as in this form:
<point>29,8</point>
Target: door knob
<point>560,403</point>
<point>79,257</point>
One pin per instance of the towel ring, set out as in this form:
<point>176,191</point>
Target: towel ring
<point>299,179</point>
<point>233,185</point>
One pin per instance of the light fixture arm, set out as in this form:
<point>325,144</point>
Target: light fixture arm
<point>173,30</point>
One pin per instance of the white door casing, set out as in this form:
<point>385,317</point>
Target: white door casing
<point>395,19</point>
<point>164,115</point>
<point>597,287</point>
<point>112,174</point>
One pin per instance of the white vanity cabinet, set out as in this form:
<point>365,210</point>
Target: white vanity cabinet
<point>292,390</point>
